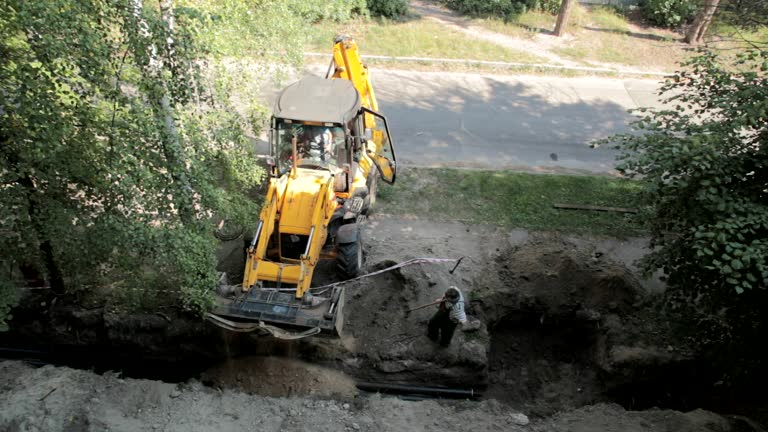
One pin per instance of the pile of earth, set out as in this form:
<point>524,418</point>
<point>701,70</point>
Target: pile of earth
<point>565,323</point>
<point>62,399</point>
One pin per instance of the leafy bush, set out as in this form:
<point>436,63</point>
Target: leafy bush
<point>336,10</point>
<point>9,296</point>
<point>669,13</point>
<point>388,8</point>
<point>705,168</point>
<point>116,148</point>
<point>502,8</point>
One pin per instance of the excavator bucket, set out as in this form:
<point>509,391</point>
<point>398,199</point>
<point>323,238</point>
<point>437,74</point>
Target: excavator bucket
<point>280,313</point>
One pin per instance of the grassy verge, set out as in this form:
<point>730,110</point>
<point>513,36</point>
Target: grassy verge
<point>599,35</point>
<point>512,199</point>
<point>530,69</point>
<point>415,38</point>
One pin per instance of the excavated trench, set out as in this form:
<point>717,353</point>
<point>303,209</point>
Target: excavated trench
<point>536,364</point>
<point>539,368</point>
<point>561,330</point>
<point>544,365</point>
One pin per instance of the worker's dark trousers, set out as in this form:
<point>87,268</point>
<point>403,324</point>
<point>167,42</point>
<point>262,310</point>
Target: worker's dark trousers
<point>441,324</point>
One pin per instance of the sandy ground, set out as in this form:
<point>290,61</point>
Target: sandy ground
<point>62,399</point>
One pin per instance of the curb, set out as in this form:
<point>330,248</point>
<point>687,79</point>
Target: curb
<point>505,64</point>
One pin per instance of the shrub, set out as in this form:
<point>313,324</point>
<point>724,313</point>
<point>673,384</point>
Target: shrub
<point>388,8</point>
<point>336,10</point>
<point>502,8</point>
<point>704,167</point>
<point>705,171</point>
<point>669,13</point>
<point>115,148</point>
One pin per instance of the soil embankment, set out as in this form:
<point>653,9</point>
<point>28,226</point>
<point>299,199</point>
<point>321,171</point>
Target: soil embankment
<point>62,399</point>
<point>566,329</point>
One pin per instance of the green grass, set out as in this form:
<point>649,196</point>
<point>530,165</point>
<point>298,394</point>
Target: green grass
<point>511,199</point>
<point>416,38</point>
<point>606,19</point>
<point>523,26</point>
<point>598,35</point>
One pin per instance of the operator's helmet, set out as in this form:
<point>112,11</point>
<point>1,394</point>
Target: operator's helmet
<point>452,294</point>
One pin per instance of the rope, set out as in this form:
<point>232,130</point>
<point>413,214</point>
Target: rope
<point>388,269</point>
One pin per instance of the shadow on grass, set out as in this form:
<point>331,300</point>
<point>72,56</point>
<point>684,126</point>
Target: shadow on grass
<point>533,29</point>
<point>648,36</point>
<point>464,20</point>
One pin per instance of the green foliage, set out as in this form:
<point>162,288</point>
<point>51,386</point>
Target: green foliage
<point>704,165</point>
<point>272,30</point>
<point>751,15</point>
<point>335,10</point>
<point>388,8</point>
<point>669,13</point>
<point>117,147</point>
<point>9,296</point>
<point>502,8</point>
<point>269,29</point>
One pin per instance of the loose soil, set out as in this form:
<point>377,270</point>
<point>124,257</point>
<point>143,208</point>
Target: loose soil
<point>566,328</point>
<point>63,399</point>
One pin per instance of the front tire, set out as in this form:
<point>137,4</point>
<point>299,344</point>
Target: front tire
<point>349,259</point>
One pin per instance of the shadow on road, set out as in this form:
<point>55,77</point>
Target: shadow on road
<point>486,122</point>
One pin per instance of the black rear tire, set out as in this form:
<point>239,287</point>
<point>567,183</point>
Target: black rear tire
<point>349,259</point>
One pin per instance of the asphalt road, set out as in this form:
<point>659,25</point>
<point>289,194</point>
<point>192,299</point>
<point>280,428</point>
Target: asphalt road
<point>531,123</point>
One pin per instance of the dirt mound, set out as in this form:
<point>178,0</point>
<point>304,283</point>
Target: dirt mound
<point>276,376</point>
<point>564,327</point>
<point>556,279</point>
<point>62,399</point>
<point>555,312</point>
<point>390,344</point>
<point>613,418</point>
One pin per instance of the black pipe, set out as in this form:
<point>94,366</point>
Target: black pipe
<point>451,393</point>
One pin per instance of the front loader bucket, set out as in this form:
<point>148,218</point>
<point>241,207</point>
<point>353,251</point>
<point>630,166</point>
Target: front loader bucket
<point>280,313</point>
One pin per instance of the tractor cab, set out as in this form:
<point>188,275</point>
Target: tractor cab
<point>320,124</point>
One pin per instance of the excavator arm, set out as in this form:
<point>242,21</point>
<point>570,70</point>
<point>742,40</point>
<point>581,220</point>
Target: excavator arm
<point>347,64</point>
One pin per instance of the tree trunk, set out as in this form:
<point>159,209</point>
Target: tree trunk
<point>164,112</point>
<point>562,17</point>
<point>695,35</point>
<point>35,206</point>
<point>45,246</point>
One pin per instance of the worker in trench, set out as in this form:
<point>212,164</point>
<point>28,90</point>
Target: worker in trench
<point>450,313</point>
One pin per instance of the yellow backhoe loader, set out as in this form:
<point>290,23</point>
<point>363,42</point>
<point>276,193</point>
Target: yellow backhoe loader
<point>329,146</point>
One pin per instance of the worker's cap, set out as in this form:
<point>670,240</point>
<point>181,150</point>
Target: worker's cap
<point>452,293</point>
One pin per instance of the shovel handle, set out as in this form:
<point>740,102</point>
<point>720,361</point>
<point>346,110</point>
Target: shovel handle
<point>426,305</point>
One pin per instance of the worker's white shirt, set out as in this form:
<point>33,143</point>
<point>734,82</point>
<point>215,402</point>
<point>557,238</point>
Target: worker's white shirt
<point>457,314</point>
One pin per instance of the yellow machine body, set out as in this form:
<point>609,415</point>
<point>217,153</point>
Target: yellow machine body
<point>329,146</point>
